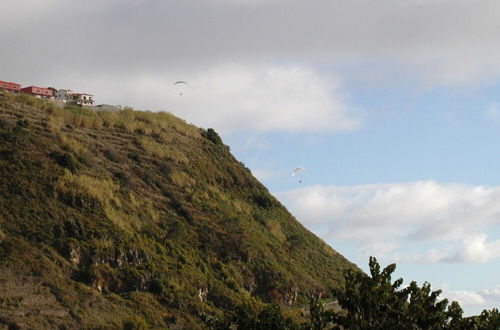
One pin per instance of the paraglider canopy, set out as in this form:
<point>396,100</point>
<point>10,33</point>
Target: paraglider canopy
<point>297,170</point>
<point>181,82</point>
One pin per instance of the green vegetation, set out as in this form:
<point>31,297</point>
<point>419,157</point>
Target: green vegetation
<point>135,219</point>
<point>367,302</point>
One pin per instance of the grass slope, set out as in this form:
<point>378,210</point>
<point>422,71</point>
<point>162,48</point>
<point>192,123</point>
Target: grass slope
<point>133,218</point>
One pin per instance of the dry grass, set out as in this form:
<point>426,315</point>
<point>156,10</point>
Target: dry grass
<point>181,179</point>
<point>163,151</point>
<point>275,229</point>
<point>83,190</point>
<point>70,144</point>
<point>77,117</point>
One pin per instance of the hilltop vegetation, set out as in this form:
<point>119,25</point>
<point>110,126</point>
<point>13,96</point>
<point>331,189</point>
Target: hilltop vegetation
<point>137,218</point>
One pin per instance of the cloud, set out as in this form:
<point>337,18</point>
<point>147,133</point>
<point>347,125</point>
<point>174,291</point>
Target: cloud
<point>453,218</point>
<point>475,248</point>
<point>465,298</point>
<point>262,174</point>
<point>468,298</point>
<point>472,249</point>
<point>244,97</point>
<point>433,41</point>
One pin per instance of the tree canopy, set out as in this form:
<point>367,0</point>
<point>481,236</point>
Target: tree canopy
<point>370,301</point>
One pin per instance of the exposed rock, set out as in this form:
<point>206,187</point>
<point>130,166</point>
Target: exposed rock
<point>203,294</point>
<point>289,294</point>
<point>73,252</point>
<point>249,284</point>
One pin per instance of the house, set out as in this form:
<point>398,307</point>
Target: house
<point>81,99</point>
<point>38,91</point>
<point>63,95</point>
<point>70,97</point>
<point>10,86</point>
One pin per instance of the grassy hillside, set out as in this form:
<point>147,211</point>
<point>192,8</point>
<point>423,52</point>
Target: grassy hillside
<point>112,219</point>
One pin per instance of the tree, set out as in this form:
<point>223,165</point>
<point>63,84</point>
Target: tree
<point>487,320</point>
<point>246,317</point>
<point>372,302</point>
<point>375,302</point>
<point>293,242</point>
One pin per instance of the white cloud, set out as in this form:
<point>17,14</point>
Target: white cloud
<point>492,294</point>
<point>245,97</point>
<point>465,298</point>
<point>262,174</point>
<point>451,217</point>
<point>475,248</point>
<point>266,98</point>
<point>380,249</point>
<point>468,298</point>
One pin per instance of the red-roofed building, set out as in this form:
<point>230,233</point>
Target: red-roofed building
<point>10,86</point>
<point>38,91</point>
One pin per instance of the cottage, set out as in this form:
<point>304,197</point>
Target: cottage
<point>38,91</point>
<point>81,99</point>
<point>10,86</point>
<point>70,97</point>
<point>63,95</point>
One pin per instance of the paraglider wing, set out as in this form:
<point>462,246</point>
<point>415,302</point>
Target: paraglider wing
<point>298,169</point>
<point>181,83</point>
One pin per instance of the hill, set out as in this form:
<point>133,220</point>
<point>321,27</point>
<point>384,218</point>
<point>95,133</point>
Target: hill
<point>110,219</point>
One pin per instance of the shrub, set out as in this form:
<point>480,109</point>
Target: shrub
<point>264,200</point>
<point>135,323</point>
<point>22,131</point>
<point>113,155</point>
<point>157,286</point>
<point>212,135</point>
<point>66,160</point>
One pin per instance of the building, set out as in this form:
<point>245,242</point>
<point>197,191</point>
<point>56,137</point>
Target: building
<point>63,95</point>
<point>81,99</point>
<point>10,86</point>
<point>38,91</point>
<point>70,97</point>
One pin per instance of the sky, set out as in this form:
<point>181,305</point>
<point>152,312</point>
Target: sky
<point>390,106</point>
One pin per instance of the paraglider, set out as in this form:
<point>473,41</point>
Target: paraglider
<point>296,171</point>
<point>181,82</point>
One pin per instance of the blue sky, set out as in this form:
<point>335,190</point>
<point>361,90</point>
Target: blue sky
<point>391,106</point>
<point>440,135</point>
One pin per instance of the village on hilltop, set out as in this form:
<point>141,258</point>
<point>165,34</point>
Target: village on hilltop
<point>60,96</point>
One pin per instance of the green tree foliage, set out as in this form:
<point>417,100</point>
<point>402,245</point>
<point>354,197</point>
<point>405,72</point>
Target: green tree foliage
<point>293,243</point>
<point>319,318</point>
<point>372,302</point>
<point>246,317</point>
<point>212,135</point>
<point>376,302</point>
<point>487,320</point>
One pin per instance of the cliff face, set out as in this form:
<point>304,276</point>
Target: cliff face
<point>108,218</point>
